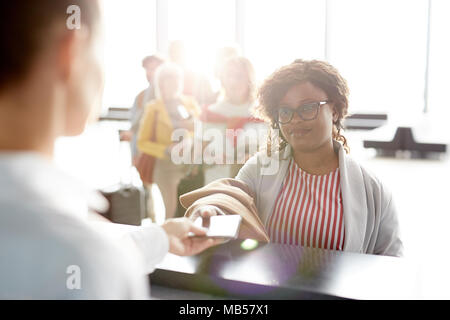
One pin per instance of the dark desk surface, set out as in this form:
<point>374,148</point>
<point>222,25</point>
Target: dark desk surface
<point>273,271</point>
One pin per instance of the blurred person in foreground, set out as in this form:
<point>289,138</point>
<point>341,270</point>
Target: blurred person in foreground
<point>50,78</point>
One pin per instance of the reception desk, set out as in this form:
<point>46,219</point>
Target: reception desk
<point>250,270</point>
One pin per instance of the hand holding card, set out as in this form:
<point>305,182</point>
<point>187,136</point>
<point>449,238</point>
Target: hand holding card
<point>224,226</point>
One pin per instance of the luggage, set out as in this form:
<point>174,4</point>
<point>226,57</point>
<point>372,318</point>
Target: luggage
<point>126,204</point>
<point>127,199</point>
<point>194,179</point>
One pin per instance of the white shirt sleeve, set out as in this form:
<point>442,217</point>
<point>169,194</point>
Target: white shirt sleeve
<point>152,242</point>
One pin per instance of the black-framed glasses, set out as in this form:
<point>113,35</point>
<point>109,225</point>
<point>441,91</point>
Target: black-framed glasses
<point>307,112</point>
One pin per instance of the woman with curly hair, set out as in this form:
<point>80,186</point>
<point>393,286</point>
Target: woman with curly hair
<point>319,196</point>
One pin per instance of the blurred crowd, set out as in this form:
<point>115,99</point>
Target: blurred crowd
<point>216,112</point>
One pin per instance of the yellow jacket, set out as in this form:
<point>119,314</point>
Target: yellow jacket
<point>164,126</point>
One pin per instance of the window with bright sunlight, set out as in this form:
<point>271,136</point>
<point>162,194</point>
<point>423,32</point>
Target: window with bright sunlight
<point>379,46</point>
<point>439,66</point>
<point>204,26</point>
<point>130,30</point>
<point>278,32</point>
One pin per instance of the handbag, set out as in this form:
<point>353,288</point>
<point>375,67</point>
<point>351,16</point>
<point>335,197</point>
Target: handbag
<point>193,180</point>
<point>126,199</point>
<point>145,163</point>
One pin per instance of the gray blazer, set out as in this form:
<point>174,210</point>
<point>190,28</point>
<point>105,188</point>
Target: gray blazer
<point>370,218</point>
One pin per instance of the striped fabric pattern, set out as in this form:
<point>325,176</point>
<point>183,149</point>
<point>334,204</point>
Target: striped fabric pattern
<point>308,211</point>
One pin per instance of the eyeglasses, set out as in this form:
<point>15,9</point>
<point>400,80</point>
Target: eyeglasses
<point>307,112</point>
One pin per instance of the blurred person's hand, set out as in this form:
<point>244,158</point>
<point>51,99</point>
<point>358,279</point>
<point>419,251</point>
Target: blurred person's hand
<point>126,135</point>
<point>187,124</point>
<point>180,243</point>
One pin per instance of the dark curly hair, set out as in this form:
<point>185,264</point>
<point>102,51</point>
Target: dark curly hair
<point>319,73</point>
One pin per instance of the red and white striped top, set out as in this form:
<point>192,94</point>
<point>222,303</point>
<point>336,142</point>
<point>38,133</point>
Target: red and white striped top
<point>308,211</point>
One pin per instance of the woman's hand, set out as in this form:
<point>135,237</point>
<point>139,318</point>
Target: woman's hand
<point>126,135</point>
<point>181,243</point>
<point>205,212</point>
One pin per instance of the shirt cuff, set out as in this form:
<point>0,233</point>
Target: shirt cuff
<point>153,243</point>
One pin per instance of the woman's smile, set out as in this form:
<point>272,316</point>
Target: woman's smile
<point>299,132</point>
